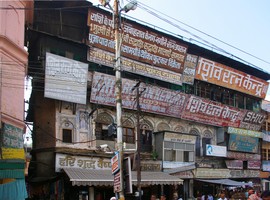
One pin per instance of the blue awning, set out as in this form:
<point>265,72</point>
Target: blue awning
<point>15,190</point>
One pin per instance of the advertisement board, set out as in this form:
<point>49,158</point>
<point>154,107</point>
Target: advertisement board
<point>65,79</point>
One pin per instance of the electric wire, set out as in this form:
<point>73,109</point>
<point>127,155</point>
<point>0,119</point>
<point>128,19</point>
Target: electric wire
<point>154,12</point>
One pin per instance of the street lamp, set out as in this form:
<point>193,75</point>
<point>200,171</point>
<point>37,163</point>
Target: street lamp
<point>118,80</point>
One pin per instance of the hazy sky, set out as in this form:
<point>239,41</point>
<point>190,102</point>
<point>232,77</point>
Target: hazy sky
<point>244,24</point>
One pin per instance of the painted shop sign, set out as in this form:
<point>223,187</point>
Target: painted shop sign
<point>189,69</point>
<point>184,175</point>
<point>12,153</point>
<point>245,173</point>
<point>243,143</point>
<point>153,99</point>
<point>212,173</point>
<point>234,164</point>
<point>179,138</point>
<point>65,79</point>
<point>150,165</point>
<point>219,74</point>
<point>68,161</point>
<point>138,42</point>
<point>211,112</point>
<point>243,156</point>
<point>240,131</point>
<point>266,165</point>
<point>252,120</point>
<point>254,164</point>
<point>12,137</point>
<point>170,166</point>
<point>106,58</point>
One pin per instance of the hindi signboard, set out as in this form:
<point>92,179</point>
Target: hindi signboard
<point>211,112</point>
<point>219,74</point>
<point>115,163</point>
<point>153,99</point>
<point>65,79</point>
<point>139,42</point>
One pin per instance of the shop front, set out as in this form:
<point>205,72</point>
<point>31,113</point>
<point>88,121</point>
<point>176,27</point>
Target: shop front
<point>90,178</point>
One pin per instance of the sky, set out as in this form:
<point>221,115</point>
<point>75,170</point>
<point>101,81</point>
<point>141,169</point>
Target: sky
<point>239,27</point>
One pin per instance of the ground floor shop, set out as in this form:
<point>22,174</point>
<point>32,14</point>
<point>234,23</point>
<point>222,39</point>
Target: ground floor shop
<point>99,184</point>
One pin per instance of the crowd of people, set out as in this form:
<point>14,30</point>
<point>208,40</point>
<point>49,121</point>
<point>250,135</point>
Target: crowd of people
<point>237,194</point>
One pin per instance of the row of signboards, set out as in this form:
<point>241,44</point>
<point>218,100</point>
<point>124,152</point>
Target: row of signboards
<point>151,53</point>
<point>67,80</point>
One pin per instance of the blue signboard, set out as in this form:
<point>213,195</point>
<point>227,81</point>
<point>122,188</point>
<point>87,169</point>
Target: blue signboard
<point>243,143</point>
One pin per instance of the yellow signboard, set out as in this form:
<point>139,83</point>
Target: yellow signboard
<point>13,153</point>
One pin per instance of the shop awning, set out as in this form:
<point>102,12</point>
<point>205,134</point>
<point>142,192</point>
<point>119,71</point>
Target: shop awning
<point>228,182</point>
<point>89,177</point>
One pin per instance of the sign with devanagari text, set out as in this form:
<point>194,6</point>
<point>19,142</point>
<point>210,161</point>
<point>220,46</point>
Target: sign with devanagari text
<point>211,112</point>
<point>138,43</point>
<point>153,99</point>
<point>219,74</point>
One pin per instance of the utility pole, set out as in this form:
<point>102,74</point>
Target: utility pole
<point>118,93</point>
<point>138,144</point>
<point>118,81</point>
<point>138,163</point>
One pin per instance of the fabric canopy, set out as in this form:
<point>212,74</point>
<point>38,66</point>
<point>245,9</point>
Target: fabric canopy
<point>228,182</point>
<point>89,177</point>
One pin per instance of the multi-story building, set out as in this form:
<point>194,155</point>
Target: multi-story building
<point>198,111</point>
<point>265,148</point>
<point>13,66</point>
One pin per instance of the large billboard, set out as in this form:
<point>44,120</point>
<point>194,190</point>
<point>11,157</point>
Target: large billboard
<point>219,74</point>
<point>138,43</point>
<point>65,79</point>
<point>152,99</point>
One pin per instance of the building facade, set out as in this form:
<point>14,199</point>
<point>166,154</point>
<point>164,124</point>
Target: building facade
<point>13,66</point>
<point>199,112</point>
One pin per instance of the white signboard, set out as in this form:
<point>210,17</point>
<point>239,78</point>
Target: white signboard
<point>65,79</point>
<point>214,150</point>
<point>180,138</point>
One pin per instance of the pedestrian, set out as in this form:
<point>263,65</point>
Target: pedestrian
<point>210,197</point>
<point>153,197</point>
<point>265,195</point>
<point>163,197</point>
<point>222,196</point>
<point>112,198</point>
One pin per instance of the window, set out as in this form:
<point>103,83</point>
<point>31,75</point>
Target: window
<point>146,140</point>
<point>67,135</point>
<point>265,154</point>
<point>198,146</point>
<point>128,135</point>
<point>228,98</point>
<point>204,142</point>
<point>240,101</point>
<point>178,152</point>
<point>102,132</point>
